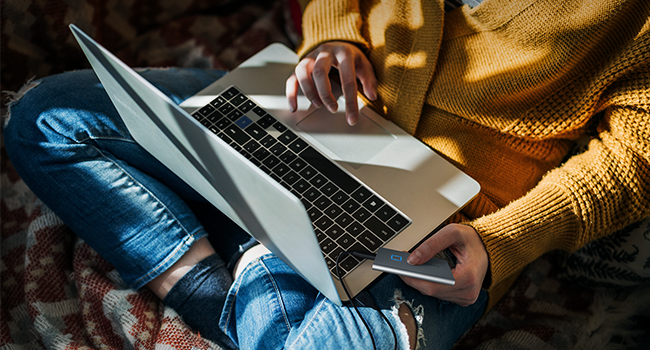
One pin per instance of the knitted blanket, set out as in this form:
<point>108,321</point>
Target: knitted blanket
<point>58,293</point>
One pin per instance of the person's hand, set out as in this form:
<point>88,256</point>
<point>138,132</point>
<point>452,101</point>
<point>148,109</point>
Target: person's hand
<point>311,75</point>
<point>470,270</point>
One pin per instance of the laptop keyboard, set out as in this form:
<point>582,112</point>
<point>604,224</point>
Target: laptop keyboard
<point>345,214</point>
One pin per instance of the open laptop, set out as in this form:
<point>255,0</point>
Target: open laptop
<point>329,187</point>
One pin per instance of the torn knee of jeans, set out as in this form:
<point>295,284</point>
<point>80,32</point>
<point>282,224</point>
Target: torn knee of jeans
<point>14,97</point>
<point>417,312</point>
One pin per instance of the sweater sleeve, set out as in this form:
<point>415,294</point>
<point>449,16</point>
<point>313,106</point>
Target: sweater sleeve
<point>326,20</point>
<point>591,195</point>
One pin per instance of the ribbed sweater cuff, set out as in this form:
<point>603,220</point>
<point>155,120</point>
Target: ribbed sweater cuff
<point>519,233</point>
<point>323,21</point>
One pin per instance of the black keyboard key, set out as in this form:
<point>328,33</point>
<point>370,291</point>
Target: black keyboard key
<point>214,130</point>
<point>314,214</point>
<point>218,102</point>
<point>260,154</point>
<point>320,235</point>
<point>287,156</point>
<point>238,100</point>
<point>357,247</point>
<point>230,93</point>
<point>344,220</point>
<point>271,161</point>
<point>333,211</point>
<point>226,108</point>
<point>222,123</point>
<point>268,118</point>
<point>351,206</point>
<point>335,254</point>
<point>205,122</point>
<point>370,241</point>
<point>331,171</point>
<point>237,134</point>
<point>322,202</point>
<point>206,110</point>
<point>361,195</point>
<point>279,127</point>
<point>255,131</point>
<point>354,229</point>
<point>298,145</point>
<point>323,223</point>
<point>301,186</point>
<point>263,123</point>
<point>329,189</point>
<point>311,194</point>
<point>331,264</point>
<point>318,181</point>
<point>276,177</point>
<point>334,232</point>
<point>385,213</point>
<point>247,106</point>
<point>298,164</point>
<point>259,111</point>
<point>308,172</point>
<point>287,137</point>
<point>235,114</point>
<point>266,170</point>
<point>398,222</point>
<point>281,169</point>
<point>379,229</point>
<point>268,141</point>
<point>277,149</point>
<point>340,197</point>
<point>373,204</point>
<point>348,264</point>
<point>213,117</point>
<point>305,203</point>
<point>225,138</point>
<point>251,146</point>
<point>345,241</point>
<point>291,177</point>
<point>327,245</point>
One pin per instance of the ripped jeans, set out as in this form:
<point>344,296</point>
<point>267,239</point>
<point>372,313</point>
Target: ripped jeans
<point>72,149</point>
<point>270,307</point>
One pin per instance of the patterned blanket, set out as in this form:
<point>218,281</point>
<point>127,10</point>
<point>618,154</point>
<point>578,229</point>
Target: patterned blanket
<point>57,293</point>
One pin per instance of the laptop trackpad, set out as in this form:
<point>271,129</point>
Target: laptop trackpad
<point>354,144</point>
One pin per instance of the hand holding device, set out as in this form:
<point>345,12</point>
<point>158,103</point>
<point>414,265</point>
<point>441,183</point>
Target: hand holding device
<point>393,261</point>
<point>471,264</point>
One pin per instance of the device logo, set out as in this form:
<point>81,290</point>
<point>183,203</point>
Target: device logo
<point>395,257</point>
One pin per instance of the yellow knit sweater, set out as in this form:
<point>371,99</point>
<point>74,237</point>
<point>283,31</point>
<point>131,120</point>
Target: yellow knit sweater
<point>504,91</point>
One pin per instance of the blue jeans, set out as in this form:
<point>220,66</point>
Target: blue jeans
<point>71,148</point>
<point>270,307</point>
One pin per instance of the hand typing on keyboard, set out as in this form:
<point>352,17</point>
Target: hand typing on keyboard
<point>312,76</point>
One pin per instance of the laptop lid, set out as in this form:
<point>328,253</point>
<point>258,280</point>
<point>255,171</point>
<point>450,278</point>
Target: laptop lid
<point>261,206</point>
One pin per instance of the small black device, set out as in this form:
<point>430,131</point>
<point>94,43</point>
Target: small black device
<point>393,261</point>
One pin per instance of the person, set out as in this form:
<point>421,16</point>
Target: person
<point>503,90</point>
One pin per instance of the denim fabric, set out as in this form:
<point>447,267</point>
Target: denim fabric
<point>269,306</point>
<point>199,295</point>
<point>70,147</point>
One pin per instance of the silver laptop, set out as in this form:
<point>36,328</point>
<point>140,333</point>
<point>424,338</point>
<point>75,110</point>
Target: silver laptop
<point>305,184</point>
